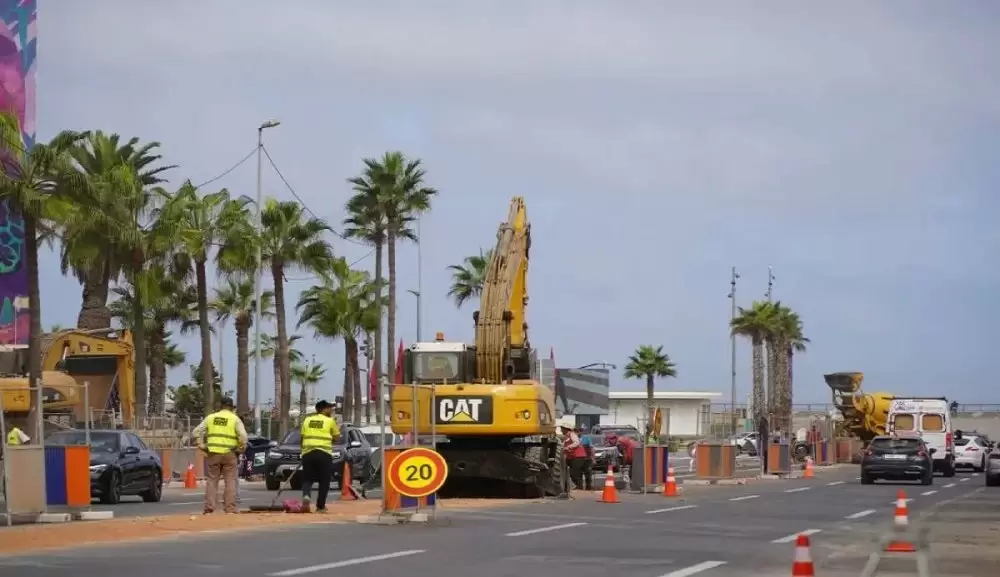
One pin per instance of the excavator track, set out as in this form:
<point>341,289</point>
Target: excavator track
<point>492,469</point>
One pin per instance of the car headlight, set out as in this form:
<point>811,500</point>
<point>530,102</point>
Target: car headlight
<point>273,455</point>
<point>98,468</point>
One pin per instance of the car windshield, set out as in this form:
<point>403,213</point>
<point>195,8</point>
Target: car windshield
<point>597,440</point>
<point>896,444</point>
<point>99,442</point>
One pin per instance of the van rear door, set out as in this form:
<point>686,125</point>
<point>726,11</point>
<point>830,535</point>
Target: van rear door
<point>934,428</point>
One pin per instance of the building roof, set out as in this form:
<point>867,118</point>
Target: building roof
<point>663,395</point>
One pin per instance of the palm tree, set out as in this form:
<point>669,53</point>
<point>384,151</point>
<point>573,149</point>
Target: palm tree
<point>343,307</point>
<point>198,222</point>
<point>235,300</point>
<point>788,339</point>
<point>649,362</point>
<point>467,278</point>
<point>307,376</point>
<point>87,248</point>
<point>31,183</point>
<point>290,241</point>
<point>268,348</point>
<point>756,324</point>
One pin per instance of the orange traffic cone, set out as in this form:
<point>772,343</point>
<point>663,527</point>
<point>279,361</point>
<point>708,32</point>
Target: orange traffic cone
<point>810,472</point>
<point>899,522</point>
<point>189,480</point>
<point>670,487</point>
<point>610,493</point>
<point>346,491</point>
<point>802,566</point>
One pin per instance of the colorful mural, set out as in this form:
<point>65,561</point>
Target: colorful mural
<point>18,47</point>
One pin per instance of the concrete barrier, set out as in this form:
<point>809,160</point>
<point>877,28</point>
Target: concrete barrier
<point>25,465</point>
<point>779,458</point>
<point>649,467</point>
<point>715,461</point>
<point>176,461</point>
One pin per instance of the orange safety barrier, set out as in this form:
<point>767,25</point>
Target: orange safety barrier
<point>649,467</point>
<point>715,461</point>
<point>802,565</point>
<point>900,519</point>
<point>393,500</point>
<point>846,449</point>
<point>670,487</point>
<point>823,453</point>
<point>779,458</point>
<point>67,475</point>
<point>346,492</point>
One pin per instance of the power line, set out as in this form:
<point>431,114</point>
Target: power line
<point>299,198</point>
<point>314,277</point>
<point>229,170</point>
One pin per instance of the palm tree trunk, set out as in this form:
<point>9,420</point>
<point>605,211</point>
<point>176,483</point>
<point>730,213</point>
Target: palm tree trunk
<point>357,383</point>
<point>284,364</point>
<point>391,316</point>
<point>349,399</point>
<point>303,399</point>
<point>788,385</point>
<point>94,313</point>
<point>207,374</point>
<point>773,394</point>
<point>276,364</point>
<point>650,399</point>
<point>139,345</point>
<point>242,365</point>
<point>157,370</point>
<point>353,368</point>
<point>35,416</point>
<point>760,410</point>
<point>377,364</point>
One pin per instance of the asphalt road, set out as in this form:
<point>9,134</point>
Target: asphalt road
<point>719,531</point>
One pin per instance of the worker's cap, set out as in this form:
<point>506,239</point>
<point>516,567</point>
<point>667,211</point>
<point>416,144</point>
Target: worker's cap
<point>227,402</point>
<point>322,405</point>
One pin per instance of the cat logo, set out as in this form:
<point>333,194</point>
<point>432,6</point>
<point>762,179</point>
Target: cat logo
<point>465,410</point>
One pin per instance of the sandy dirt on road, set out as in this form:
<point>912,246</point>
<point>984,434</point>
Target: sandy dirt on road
<point>33,538</point>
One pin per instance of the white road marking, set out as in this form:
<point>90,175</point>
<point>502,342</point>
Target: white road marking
<point>669,509</point>
<point>975,474</point>
<point>543,529</point>
<point>894,501</point>
<point>926,493</point>
<point>834,483</point>
<point>744,497</point>
<point>794,536</point>
<point>695,569</point>
<point>797,489</point>
<point>860,514</point>
<point>964,479</point>
<point>949,485</point>
<point>345,563</point>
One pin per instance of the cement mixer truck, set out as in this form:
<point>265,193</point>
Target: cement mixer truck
<point>864,414</point>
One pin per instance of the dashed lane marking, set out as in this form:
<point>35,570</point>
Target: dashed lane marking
<point>669,509</point>
<point>695,569</point>
<point>345,563</point>
<point>964,479</point>
<point>860,514</point>
<point>744,497</point>
<point>797,489</point>
<point>975,474</point>
<point>543,529</point>
<point>926,493</point>
<point>834,483</point>
<point>794,536</point>
<point>949,485</point>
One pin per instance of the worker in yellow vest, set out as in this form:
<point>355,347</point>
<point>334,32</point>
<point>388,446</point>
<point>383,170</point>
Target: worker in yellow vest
<point>319,434</point>
<point>221,436</point>
<point>15,437</point>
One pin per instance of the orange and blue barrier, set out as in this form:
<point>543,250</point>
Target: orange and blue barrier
<point>649,467</point>
<point>67,475</point>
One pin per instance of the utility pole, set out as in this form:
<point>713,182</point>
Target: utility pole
<point>732,349</point>
<point>770,284</point>
<point>416,293</point>
<point>420,275</point>
<point>257,283</point>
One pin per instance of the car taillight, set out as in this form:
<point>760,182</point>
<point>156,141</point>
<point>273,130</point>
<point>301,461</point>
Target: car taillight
<point>947,440</point>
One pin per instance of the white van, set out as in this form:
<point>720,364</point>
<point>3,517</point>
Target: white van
<point>931,419</point>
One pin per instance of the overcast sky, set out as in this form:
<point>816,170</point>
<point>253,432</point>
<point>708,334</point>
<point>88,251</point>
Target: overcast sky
<point>850,145</point>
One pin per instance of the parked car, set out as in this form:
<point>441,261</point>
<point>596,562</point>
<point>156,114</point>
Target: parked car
<point>897,458</point>
<point>604,453</point>
<point>745,443</point>
<point>120,464</point>
<point>972,451</point>
<point>993,470</point>
<point>285,458</point>
<point>255,456</point>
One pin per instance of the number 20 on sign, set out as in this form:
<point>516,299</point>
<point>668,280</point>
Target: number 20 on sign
<point>417,472</point>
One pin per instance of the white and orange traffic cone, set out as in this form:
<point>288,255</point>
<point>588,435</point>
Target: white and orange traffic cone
<point>670,486</point>
<point>900,520</point>
<point>189,480</point>
<point>610,492</point>
<point>810,472</point>
<point>802,565</point>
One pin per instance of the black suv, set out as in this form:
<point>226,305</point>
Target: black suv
<point>283,458</point>
<point>897,457</point>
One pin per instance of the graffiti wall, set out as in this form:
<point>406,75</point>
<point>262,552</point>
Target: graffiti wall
<point>17,93</point>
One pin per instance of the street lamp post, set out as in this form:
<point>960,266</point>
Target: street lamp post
<point>732,350</point>
<point>416,293</point>
<point>257,288</point>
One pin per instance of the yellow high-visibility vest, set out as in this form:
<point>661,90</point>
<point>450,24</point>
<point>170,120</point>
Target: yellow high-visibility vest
<point>318,432</point>
<point>220,433</point>
<point>14,437</point>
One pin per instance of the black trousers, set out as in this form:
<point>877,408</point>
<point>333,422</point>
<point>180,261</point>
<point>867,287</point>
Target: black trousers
<point>317,467</point>
<point>588,474</point>
<point>576,472</point>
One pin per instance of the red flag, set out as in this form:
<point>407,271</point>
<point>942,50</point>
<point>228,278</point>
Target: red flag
<point>399,364</point>
<point>372,383</point>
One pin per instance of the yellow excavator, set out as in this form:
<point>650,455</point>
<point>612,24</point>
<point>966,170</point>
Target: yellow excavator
<point>102,358</point>
<point>865,414</point>
<point>494,421</point>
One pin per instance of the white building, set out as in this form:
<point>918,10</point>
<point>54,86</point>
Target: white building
<point>685,412</point>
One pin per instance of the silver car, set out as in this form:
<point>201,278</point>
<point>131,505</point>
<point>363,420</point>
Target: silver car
<point>972,451</point>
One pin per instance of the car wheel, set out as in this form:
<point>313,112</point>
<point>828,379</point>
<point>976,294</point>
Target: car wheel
<point>949,469</point>
<point>866,479</point>
<point>928,478</point>
<point>295,483</point>
<point>113,491</point>
<point>155,491</point>
<point>981,467</point>
<point>271,483</point>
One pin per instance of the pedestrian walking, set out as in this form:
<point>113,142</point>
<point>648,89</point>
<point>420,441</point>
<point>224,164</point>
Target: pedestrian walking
<point>221,436</point>
<point>693,463</point>
<point>575,456</point>
<point>319,434</point>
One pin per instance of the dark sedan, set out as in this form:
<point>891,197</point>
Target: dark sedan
<point>897,458</point>
<point>284,459</point>
<point>120,464</point>
<point>604,454</point>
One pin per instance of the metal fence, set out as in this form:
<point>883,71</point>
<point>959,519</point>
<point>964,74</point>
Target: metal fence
<point>718,424</point>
